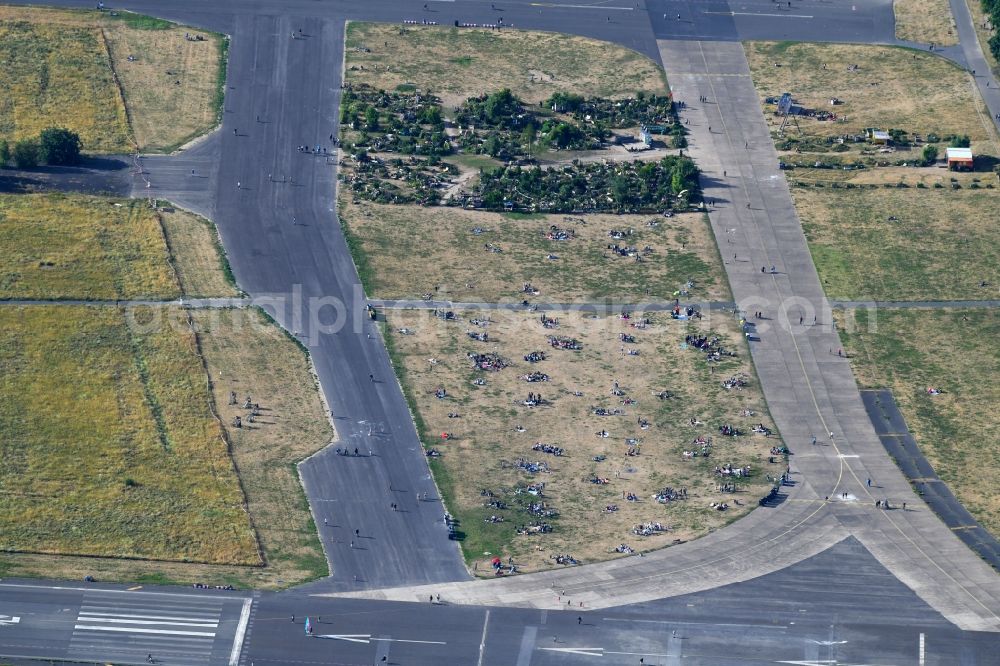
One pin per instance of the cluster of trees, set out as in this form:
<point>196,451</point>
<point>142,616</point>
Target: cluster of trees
<point>56,146</point>
<point>499,109</point>
<point>633,187</point>
<point>643,109</point>
<point>992,10</point>
<point>409,124</point>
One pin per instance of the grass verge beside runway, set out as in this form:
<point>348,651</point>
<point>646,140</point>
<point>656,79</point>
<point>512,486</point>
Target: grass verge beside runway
<point>456,63</point>
<point>60,71</point>
<point>431,354</point>
<point>412,250</point>
<point>197,254</point>
<point>955,352</point>
<point>243,353</point>
<point>925,22</point>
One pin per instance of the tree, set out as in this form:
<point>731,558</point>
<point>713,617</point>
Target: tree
<point>565,135</point>
<point>431,115</point>
<point>930,155</point>
<point>26,154</point>
<point>528,134</point>
<point>4,153</point>
<point>58,145</point>
<point>500,105</point>
<point>960,141</point>
<point>371,119</point>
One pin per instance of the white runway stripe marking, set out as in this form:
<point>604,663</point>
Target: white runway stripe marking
<point>139,630</point>
<point>175,618</point>
<point>118,620</point>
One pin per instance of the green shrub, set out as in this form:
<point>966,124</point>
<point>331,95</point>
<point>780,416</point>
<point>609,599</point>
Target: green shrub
<point>26,154</point>
<point>59,146</point>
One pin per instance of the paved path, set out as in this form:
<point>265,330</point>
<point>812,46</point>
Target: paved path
<point>191,303</point>
<point>275,210</point>
<point>976,61</point>
<point>916,305</point>
<point>604,307</point>
<point>810,391</point>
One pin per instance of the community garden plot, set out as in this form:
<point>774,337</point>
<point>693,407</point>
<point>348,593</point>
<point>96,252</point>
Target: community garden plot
<point>475,256</point>
<point>565,436</point>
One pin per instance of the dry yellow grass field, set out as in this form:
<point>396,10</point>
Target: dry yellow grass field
<point>198,257</point>
<point>173,88</point>
<point>60,74</point>
<point>954,351</point>
<point>76,246</point>
<point>892,88</point>
<point>493,429</point>
<point>456,63</point>
<point>248,355</point>
<point>409,251</point>
<point>925,22</point>
<point>110,448</point>
<point>68,246</point>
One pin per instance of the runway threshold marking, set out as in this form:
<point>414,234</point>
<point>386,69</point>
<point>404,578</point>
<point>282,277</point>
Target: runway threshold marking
<point>122,620</point>
<point>241,632</point>
<point>137,630</point>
